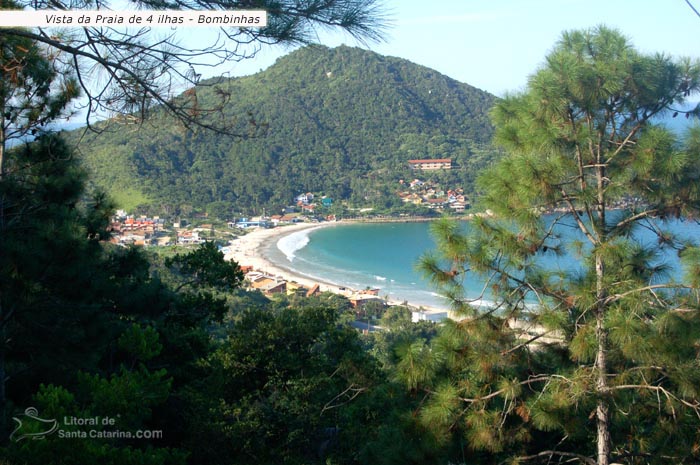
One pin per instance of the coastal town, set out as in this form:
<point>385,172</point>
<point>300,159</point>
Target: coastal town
<point>311,207</point>
<point>242,240</point>
<point>242,237</point>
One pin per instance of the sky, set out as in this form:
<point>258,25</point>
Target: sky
<point>495,45</point>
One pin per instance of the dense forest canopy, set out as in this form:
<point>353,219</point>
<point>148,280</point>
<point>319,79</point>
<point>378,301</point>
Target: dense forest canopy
<point>342,122</point>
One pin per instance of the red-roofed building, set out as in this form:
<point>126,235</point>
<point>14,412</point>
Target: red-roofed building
<point>437,164</point>
<point>316,289</point>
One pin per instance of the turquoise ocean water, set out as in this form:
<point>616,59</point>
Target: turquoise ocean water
<point>384,256</point>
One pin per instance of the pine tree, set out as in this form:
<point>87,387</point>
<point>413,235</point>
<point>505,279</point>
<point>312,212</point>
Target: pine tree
<point>50,305</point>
<point>35,88</point>
<point>606,367</point>
<point>33,92</point>
<point>87,330</point>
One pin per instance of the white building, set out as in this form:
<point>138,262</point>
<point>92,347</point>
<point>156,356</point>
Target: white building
<point>435,316</point>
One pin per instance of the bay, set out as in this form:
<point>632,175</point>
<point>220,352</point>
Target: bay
<point>384,256</point>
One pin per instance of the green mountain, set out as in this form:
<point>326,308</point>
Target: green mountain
<point>338,121</point>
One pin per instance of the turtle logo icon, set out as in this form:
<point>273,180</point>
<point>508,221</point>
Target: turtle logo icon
<point>31,426</point>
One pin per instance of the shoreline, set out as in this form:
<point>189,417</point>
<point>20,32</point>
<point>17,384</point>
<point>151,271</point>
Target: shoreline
<point>249,250</point>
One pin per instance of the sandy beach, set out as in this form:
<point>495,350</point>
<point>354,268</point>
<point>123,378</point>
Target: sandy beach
<point>248,250</point>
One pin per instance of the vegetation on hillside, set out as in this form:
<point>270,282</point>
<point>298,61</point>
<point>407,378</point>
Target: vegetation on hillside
<point>341,122</point>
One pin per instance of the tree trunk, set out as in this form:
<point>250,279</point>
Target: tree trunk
<point>602,413</point>
<point>3,375</point>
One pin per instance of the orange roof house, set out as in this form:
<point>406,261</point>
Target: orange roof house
<point>314,290</point>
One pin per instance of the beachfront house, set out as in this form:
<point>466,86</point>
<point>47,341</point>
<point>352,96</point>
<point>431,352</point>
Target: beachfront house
<point>304,199</point>
<point>268,285</point>
<point>294,288</point>
<point>189,238</point>
<point>245,223</point>
<point>358,300</point>
<point>436,316</point>
<point>315,290</point>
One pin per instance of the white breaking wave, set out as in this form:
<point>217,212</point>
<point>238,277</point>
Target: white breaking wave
<point>290,244</point>
<point>380,278</point>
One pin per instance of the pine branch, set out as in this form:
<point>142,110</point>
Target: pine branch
<point>616,297</point>
<point>112,67</point>
<point>351,391</point>
<point>694,405</point>
<point>638,216</point>
<point>526,343</point>
<point>577,217</point>
<point>527,382</point>
<point>693,8</point>
<point>628,455</point>
<point>549,455</point>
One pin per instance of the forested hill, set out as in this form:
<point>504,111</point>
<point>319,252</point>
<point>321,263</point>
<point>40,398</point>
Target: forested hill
<point>340,121</point>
